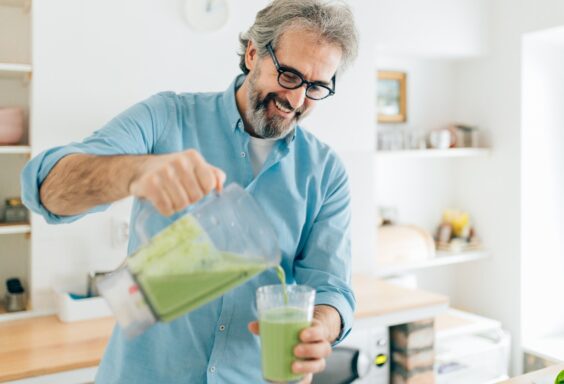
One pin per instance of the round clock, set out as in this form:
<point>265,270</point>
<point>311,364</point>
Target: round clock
<point>206,15</point>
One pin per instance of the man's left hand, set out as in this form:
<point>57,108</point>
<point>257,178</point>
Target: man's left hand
<point>315,343</point>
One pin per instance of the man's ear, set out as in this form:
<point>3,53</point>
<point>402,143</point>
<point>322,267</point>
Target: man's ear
<point>251,55</point>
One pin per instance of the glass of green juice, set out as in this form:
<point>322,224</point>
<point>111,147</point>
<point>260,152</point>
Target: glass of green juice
<point>283,311</point>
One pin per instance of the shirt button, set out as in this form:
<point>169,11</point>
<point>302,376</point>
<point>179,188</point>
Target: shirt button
<point>222,327</point>
<point>212,369</point>
<point>243,154</point>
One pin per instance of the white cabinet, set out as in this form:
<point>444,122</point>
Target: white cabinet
<point>15,77</point>
<point>470,349</point>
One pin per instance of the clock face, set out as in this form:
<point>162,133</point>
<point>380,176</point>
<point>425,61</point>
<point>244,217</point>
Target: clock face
<point>206,15</point>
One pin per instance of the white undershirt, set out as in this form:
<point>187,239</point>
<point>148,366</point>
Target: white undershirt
<point>259,149</point>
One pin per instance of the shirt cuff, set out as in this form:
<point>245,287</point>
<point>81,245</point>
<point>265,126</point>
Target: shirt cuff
<point>344,309</point>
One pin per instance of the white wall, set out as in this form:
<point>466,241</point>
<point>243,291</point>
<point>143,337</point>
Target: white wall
<point>446,28</point>
<point>419,188</point>
<point>92,59</point>
<point>542,183</point>
<point>491,89</point>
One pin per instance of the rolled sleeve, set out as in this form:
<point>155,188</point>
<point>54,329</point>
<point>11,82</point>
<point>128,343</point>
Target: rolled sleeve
<point>135,131</point>
<point>325,262</point>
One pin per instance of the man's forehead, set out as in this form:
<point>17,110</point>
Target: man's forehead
<point>297,47</point>
<point>296,37</point>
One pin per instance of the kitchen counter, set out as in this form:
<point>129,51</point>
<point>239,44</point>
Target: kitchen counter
<point>45,346</point>
<point>386,304</point>
<point>542,376</point>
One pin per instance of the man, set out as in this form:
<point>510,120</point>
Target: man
<point>173,149</point>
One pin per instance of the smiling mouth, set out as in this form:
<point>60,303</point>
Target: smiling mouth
<point>282,108</point>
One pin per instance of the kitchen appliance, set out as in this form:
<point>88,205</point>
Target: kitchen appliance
<point>195,257</point>
<point>362,358</point>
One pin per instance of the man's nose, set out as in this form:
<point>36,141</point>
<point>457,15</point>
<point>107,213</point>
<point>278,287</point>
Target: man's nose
<point>296,97</point>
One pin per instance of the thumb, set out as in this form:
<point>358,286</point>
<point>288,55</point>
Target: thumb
<point>220,178</point>
<point>254,327</point>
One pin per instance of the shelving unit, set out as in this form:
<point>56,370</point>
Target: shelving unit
<point>435,153</point>
<point>416,186</point>
<point>25,4</point>
<point>15,77</point>
<point>15,150</point>
<point>441,259</point>
<point>14,228</point>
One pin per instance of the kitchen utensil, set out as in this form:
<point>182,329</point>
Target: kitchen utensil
<point>219,244</point>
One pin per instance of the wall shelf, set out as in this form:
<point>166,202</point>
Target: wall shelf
<point>441,258</point>
<point>15,70</point>
<point>15,150</point>
<point>14,228</point>
<point>16,3</point>
<point>434,153</point>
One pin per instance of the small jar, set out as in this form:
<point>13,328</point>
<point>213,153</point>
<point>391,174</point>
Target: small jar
<point>15,211</point>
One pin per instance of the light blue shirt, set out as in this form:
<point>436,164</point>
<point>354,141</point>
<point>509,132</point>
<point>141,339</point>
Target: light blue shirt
<point>302,186</point>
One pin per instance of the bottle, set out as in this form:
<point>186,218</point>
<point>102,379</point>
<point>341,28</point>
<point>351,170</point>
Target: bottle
<point>219,244</point>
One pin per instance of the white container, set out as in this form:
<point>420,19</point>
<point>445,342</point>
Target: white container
<point>69,309</point>
<point>474,352</point>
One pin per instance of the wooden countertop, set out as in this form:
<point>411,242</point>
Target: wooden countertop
<point>542,376</point>
<point>393,304</point>
<point>44,345</point>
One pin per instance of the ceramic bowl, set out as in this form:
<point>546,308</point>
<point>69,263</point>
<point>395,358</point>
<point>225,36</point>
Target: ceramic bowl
<point>11,125</point>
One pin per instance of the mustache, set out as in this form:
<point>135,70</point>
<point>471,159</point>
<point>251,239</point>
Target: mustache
<point>262,104</point>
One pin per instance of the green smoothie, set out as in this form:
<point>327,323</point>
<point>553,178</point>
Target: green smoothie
<point>279,334</point>
<point>282,277</point>
<point>180,269</point>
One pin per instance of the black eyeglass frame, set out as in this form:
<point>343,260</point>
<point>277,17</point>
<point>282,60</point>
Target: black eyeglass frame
<point>281,70</point>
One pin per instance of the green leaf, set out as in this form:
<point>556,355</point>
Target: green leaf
<point>560,378</point>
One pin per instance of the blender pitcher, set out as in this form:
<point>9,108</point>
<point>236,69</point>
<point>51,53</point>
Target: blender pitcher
<point>219,244</point>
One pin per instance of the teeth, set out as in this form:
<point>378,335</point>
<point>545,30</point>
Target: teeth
<point>280,107</point>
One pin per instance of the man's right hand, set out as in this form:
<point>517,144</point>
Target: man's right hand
<point>174,181</point>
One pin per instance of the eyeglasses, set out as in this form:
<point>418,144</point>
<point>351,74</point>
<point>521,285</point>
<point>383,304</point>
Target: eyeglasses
<point>291,79</point>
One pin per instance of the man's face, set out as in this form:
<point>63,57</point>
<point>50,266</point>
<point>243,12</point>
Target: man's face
<point>273,111</point>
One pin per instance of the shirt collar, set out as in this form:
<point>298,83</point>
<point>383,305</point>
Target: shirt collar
<point>230,104</point>
<point>232,112</point>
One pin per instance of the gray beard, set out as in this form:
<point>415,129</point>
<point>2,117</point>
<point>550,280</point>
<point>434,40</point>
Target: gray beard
<point>263,126</point>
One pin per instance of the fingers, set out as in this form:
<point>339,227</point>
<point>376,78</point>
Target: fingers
<point>220,178</point>
<point>172,182</point>
<point>205,175</point>
<point>150,188</point>
<point>317,332</point>
<point>312,350</point>
<point>253,327</point>
<point>307,379</point>
<point>320,349</point>
<point>308,366</point>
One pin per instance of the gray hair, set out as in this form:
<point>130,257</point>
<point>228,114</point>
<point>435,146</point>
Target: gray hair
<point>332,20</point>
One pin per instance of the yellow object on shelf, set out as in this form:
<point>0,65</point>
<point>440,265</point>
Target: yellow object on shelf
<point>459,221</point>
